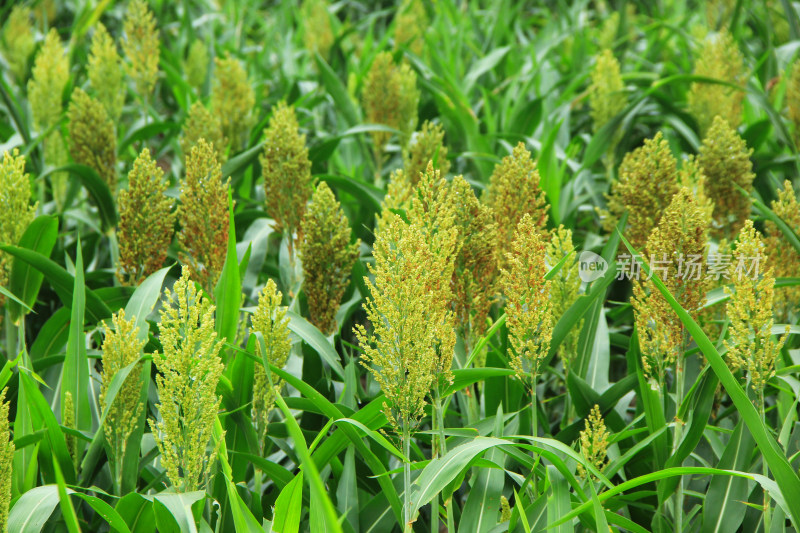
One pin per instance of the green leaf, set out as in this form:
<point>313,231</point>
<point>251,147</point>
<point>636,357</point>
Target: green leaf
<point>32,510</point>
<point>144,299</point>
<point>67,510</point>
<point>178,507</point>
<point>97,188</point>
<point>288,507</point>
<point>26,281</point>
<point>228,292</point>
<point>137,511</point>
<point>311,335</point>
<point>337,90</point>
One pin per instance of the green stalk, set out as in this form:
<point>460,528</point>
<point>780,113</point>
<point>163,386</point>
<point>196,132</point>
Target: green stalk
<point>678,433</point>
<point>406,477</point>
<point>764,466</point>
<point>439,449</point>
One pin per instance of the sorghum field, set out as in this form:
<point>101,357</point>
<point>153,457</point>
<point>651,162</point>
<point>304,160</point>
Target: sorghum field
<point>427,266</point>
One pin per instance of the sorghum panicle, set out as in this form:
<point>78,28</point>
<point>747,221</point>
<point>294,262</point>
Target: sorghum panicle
<point>676,252</point>
<point>204,216</point>
<point>7,449</point>
<point>513,192</point>
<point>15,197</point>
<point>410,24</point>
<point>146,221</point>
<point>719,57</point>
<point>390,97</point>
<point>68,421</point>
<point>121,348</point>
<point>270,320</point>
<point>189,370</point>
<point>410,346</point>
<point>203,124</point>
<point>719,13</point>
<point>607,97</point>
<point>233,99</point>
<point>594,441</point>
<point>317,30</point>
<point>505,510</point>
<point>425,146</point>
<point>106,73</point>
<point>781,255</point>
<point>564,288</point>
<point>793,98</point>
<point>528,301</point>
<point>141,47</point>
<point>93,141</point>
<point>751,345</point>
<point>725,160</point>
<point>635,190</point>
<point>327,256</point>
<point>18,40</point>
<point>48,78</point>
<point>288,184</point>
<point>196,64</point>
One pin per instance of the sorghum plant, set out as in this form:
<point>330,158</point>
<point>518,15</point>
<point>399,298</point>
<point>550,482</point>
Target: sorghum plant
<point>233,99</point>
<point>317,30</point>
<point>390,97</point>
<point>203,124</point>
<point>189,369</point>
<point>410,24</point>
<point>270,320</point>
<point>782,256</point>
<point>121,348</point>
<point>426,145</point>
<point>15,198</point>
<point>93,141</point>
<point>196,64</point>
<point>718,57</point>
<point>594,441</point>
<point>18,40</point>
<point>203,216</point>
<point>7,449</point>
<point>327,256</point>
<point>146,222</point>
<point>286,169</point>
<point>725,160</point>
<point>528,306</point>
<point>106,74</point>
<point>564,288</point>
<point>636,192</point>
<point>513,192</point>
<point>142,47</point>
<point>793,98</point>
<point>607,97</point>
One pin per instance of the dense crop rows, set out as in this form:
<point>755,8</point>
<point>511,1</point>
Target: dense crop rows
<point>433,266</point>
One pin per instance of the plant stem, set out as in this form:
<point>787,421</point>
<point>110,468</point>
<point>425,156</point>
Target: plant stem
<point>764,466</point>
<point>439,449</point>
<point>678,433</point>
<point>406,477</point>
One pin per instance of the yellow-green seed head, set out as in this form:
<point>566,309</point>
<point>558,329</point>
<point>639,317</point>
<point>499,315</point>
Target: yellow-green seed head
<point>607,31</point>
<point>725,160</point>
<point>514,192</point>
<point>122,347</point>
<point>189,370</point>
<point>719,13</point>
<point>782,256</point>
<point>270,320</point>
<point>390,97</point>
<point>505,510</point>
<point>317,30</point>
<point>288,184</point>
<point>203,124</point>
<point>648,179</point>
<point>49,77</point>
<point>7,449</point>
<point>196,65</point>
<point>607,97</point>
<point>68,420</point>
<point>327,256</point>
<point>676,251</point>
<point>594,441</point>
<point>146,221</point>
<point>18,41</point>
<point>719,58</point>
<point>410,25</point>
<point>750,344</point>
<point>203,215</point>
<point>106,73</point>
<point>565,288</point>
<point>426,146</point>
<point>141,47</point>
<point>793,98</point>
<point>15,198</point>
<point>410,346</point>
<point>93,141</point>
<point>528,301</point>
<point>233,99</point>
